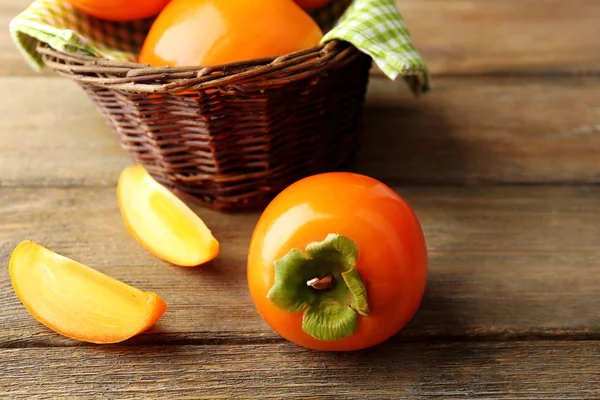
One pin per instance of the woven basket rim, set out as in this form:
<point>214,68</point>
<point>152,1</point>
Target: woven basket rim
<point>252,74</point>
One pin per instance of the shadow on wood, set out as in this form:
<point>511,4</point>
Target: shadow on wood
<point>410,143</point>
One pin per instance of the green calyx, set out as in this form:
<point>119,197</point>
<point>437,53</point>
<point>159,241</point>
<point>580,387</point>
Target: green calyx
<point>323,282</point>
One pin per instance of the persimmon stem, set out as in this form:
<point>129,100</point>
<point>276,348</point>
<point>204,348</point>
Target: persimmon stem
<point>333,301</point>
<point>327,282</point>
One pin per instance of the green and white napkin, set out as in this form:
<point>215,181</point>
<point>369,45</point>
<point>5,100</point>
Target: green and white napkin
<point>376,27</point>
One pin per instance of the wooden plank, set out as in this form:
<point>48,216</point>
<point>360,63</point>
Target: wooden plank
<point>515,130</point>
<point>52,135</point>
<point>479,130</point>
<point>520,370</point>
<point>509,36</point>
<point>461,36</point>
<point>505,262</point>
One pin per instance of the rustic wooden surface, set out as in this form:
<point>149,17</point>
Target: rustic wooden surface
<point>501,163</point>
<point>505,262</point>
<point>454,370</point>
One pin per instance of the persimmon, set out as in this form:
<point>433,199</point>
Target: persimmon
<point>120,10</point>
<point>161,222</point>
<point>214,32</point>
<point>310,5</point>
<point>77,301</point>
<point>337,261</point>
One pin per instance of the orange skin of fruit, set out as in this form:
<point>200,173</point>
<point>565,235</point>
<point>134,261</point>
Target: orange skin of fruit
<point>392,252</point>
<point>215,32</point>
<point>77,301</point>
<point>310,5</point>
<point>120,10</point>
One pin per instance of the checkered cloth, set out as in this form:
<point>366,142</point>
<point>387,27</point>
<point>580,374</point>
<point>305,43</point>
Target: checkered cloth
<point>377,28</point>
<point>373,26</point>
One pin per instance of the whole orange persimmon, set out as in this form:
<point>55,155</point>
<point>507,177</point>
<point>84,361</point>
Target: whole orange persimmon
<point>337,261</point>
<point>312,4</point>
<point>120,10</point>
<point>213,32</point>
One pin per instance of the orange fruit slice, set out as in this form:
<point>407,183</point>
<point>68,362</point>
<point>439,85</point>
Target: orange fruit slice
<point>162,223</point>
<point>77,301</point>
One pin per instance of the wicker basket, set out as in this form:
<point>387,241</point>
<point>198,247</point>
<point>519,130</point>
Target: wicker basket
<point>231,137</point>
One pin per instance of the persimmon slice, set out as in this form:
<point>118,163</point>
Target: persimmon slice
<point>77,301</point>
<point>161,222</point>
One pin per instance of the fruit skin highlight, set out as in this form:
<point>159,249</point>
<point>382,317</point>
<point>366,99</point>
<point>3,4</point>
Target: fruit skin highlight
<point>77,301</point>
<point>161,222</point>
<point>214,32</point>
<point>392,254</point>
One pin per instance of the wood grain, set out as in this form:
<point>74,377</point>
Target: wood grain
<point>461,36</point>
<point>453,370</point>
<point>511,308</point>
<point>484,130</point>
<point>53,135</point>
<point>512,262</point>
<point>509,36</point>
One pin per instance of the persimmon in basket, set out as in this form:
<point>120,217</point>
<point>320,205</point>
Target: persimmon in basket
<point>214,32</point>
<point>120,10</point>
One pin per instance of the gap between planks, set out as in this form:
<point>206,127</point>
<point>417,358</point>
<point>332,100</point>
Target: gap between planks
<point>408,335</point>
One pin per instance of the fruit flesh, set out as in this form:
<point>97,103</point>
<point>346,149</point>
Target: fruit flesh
<point>161,222</point>
<point>77,301</point>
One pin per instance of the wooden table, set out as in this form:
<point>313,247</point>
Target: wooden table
<point>501,163</point>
